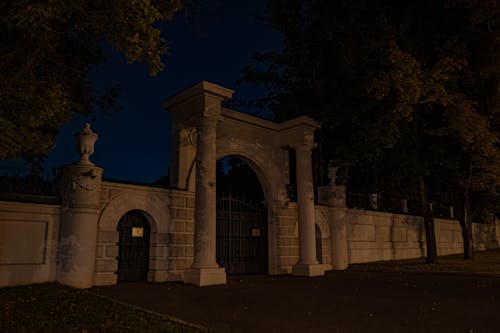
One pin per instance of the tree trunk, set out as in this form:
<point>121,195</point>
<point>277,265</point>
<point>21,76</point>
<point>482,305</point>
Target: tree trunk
<point>467,231</point>
<point>430,235</point>
<point>465,218</point>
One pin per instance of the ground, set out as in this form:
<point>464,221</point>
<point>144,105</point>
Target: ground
<point>453,296</point>
<point>338,302</point>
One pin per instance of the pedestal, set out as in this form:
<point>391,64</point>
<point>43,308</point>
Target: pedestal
<point>339,238</point>
<point>205,276</point>
<point>337,221</point>
<point>308,270</point>
<point>79,187</point>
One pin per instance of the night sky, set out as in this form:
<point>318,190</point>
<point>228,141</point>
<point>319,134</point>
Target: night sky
<point>214,43</point>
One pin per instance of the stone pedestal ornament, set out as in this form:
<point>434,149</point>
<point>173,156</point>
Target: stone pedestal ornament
<point>79,185</point>
<point>404,205</point>
<point>85,140</point>
<point>373,200</point>
<point>337,220</point>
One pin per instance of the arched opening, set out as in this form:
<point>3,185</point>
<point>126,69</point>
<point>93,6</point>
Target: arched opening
<point>242,233</point>
<point>319,245</point>
<point>133,247</point>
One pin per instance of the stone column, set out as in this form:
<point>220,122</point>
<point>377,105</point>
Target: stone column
<point>307,265</point>
<point>79,186</point>
<point>337,221</point>
<point>205,270</point>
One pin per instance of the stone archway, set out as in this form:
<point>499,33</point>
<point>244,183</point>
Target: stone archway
<point>155,212</point>
<point>242,245</point>
<point>204,131</point>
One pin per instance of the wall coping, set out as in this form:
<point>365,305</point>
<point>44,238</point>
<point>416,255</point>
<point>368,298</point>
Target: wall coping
<point>267,124</point>
<point>6,204</point>
<point>140,187</point>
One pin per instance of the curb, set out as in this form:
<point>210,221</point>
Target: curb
<point>454,273</point>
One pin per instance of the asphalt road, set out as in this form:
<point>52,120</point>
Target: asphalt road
<point>337,302</point>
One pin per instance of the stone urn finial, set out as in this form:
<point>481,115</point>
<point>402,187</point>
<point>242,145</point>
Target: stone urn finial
<point>85,140</point>
<point>332,175</point>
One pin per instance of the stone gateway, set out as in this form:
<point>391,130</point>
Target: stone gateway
<point>105,232</point>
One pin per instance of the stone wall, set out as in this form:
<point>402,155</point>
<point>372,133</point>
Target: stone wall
<point>374,236</point>
<point>28,243</point>
<point>288,237</point>
<point>170,216</point>
<point>486,236</point>
<point>180,234</point>
<point>29,235</point>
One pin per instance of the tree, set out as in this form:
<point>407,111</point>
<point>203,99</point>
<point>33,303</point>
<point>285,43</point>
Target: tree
<point>386,77</point>
<point>458,105</point>
<point>48,48</point>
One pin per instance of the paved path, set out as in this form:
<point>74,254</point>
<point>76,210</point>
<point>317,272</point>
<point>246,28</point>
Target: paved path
<point>338,302</point>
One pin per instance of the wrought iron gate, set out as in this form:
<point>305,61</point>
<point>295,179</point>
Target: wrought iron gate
<point>241,235</point>
<point>133,256</point>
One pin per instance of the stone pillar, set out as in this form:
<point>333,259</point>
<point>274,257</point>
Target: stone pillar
<point>205,270</point>
<point>337,221</point>
<point>79,186</point>
<point>307,265</point>
<point>199,107</point>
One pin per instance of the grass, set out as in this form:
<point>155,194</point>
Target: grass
<point>485,262</point>
<point>51,307</point>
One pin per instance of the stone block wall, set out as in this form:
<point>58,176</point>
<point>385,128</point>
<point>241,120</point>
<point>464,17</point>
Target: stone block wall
<point>170,215</point>
<point>288,237</point>
<point>28,243</point>
<point>486,236</point>
<point>106,257</point>
<point>321,217</point>
<point>448,236</point>
<point>29,235</point>
<point>375,236</point>
<point>180,236</point>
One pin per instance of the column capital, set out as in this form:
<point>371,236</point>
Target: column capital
<point>303,147</point>
<point>208,120</point>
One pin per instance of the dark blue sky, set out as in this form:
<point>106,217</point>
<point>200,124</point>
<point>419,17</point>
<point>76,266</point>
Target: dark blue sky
<point>213,43</point>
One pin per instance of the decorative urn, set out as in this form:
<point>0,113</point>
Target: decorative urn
<point>85,140</point>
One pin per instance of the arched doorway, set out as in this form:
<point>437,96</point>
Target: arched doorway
<point>133,247</point>
<point>242,235</point>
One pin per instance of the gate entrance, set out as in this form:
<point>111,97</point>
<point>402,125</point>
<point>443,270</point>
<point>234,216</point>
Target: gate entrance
<point>133,256</point>
<point>241,234</point>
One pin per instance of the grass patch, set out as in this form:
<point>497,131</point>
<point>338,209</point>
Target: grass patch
<point>484,262</point>
<point>51,307</point>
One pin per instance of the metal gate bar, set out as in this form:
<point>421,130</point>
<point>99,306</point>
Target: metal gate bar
<point>241,234</point>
